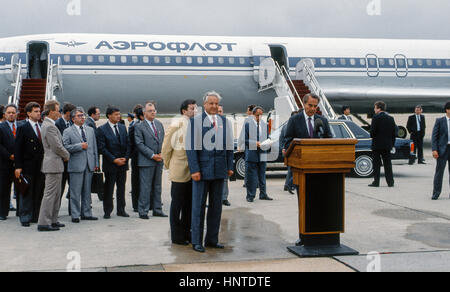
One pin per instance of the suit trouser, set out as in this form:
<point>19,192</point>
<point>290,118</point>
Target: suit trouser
<point>52,199</point>
<point>112,179</point>
<point>135,183</point>
<point>150,189</point>
<point>200,191</point>
<point>226,191</point>
<point>181,211</point>
<point>289,182</point>
<point>30,203</point>
<point>441,162</point>
<point>80,194</point>
<point>6,179</point>
<point>256,176</point>
<point>418,146</point>
<point>386,156</point>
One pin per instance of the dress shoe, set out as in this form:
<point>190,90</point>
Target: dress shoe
<point>89,218</point>
<point>123,214</point>
<point>26,224</point>
<point>226,203</point>
<point>198,248</point>
<point>391,185</point>
<point>159,214</point>
<point>299,242</point>
<point>291,191</point>
<point>45,228</point>
<point>217,245</point>
<point>75,220</point>
<point>286,188</point>
<point>145,217</point>
<point>250,200</point>
<point>2,218</point>
<point>180,242</point>
<point>422,162</point>
<point>107,216</point>
<point>266,198</point>
<point>374,185</point>
<point>12,209</point>
<point>435,198</point>
<point>59,225</point>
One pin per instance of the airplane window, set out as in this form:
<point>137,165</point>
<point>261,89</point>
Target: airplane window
<point>156,60</point>
<point>372,62</point>
<point>210,60</point>
<point>391,62</point>
<point>343,62</point>
<point>401,62</point>
<point>189,60</point>
<point>78,59</point>
<point>323,61</point>
<point>221,60</point>
<point>429,62</point>
<point>200,60</point>
<point>90,59</point>
<point>382,62</point>
<point>178,60</point>
<point>252,62</point>
<point>112,59</point>
<point>167,60</point>
<point>67,58</point>
<point>231,60</point>
<point>146,59</point>
<point>447,62</point>
<point>410,62</point>
<point>242,61</point>
<point>438,63</point>
<point>420,62</point>
<point>101,59</point>
<point>362,62</point>
<point>333,62</point>
<point>352,62</point>
<point>134,59</point>
<point>123,59</point>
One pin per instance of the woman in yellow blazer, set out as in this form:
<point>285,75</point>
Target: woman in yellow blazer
<point>175,160</point>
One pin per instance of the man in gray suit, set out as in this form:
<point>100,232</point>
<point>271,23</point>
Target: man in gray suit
<point>80,141</point>
<point>440,144</point>
<point>93,116</point>
<point>53,167</point>
<point>149,138</point>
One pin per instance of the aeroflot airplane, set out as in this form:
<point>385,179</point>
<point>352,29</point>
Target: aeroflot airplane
<point>128,69</point>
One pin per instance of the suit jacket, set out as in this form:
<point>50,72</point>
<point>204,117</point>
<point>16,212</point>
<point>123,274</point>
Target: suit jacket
<point>214,158</point>
<point>383,132</point>
<point>28,150</point>
<point>131,132</point>
<point>81,159</point>
<point>61,125</point>
<point>147,143</point>
<point>91,123</point>
<point>174,151</point>
<point>7,142</point>
<point>54,151</point>
<point>252,153</point>
<point>412,126</point>
<point>296,129</point>
<point>439,138</point>
<point>110,147</point>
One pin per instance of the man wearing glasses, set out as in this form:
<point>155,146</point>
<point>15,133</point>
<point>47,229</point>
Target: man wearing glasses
<point>80,141</point>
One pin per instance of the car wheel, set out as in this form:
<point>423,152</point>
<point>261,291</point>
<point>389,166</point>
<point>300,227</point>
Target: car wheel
<point>364,166</point>
<point>240,166</point>
<point>402,132</point>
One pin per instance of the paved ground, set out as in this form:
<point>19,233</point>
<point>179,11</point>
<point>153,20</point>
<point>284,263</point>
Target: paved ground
<point>402,224</point>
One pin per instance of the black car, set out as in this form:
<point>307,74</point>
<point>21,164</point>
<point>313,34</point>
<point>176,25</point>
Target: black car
<point>340,129</point>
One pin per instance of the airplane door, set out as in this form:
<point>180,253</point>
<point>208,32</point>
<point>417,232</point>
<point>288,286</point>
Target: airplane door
<point>401,65</point>
<point>260,52</point>
<point>372,65</point>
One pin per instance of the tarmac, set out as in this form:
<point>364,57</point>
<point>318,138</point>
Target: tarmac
<point>393,229</point>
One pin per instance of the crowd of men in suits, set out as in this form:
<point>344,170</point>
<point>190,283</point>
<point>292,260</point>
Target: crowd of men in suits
<point>57,146</point>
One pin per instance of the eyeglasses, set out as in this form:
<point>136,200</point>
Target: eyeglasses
<point>81,116</point>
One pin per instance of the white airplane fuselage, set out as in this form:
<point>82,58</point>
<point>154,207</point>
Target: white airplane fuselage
<point>125,70</point>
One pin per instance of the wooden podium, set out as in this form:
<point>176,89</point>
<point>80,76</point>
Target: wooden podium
<point>318,168</point>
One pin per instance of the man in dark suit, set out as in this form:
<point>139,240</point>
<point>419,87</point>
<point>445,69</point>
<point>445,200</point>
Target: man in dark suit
<point>28,157</point>
<point>301,126</point>
<point>416,126</point>
<point>383,132</point>
<point>440,145</point>
<point>209,149</point>
<point>113,143</point>
<point>93,116</point>
<point>8,131</point>
<point>255,133</point>
<point>346,113</point>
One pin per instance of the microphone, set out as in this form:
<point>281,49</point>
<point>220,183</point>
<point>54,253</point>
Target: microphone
<point>318,127</point>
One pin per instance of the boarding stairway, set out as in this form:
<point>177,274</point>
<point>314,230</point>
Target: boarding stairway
<point>34,90</point>
<point>290,91</point>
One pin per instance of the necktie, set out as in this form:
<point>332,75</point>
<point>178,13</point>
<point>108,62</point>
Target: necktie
<point>83,134</point>
<point>117,133</point>
<point>38,132</point>
<point>14,130</point>
<point>154,130</point>
<point>67,125</point>
<point>418,123</point>
<point>257,132</point>
<point>311,129</point>
<point>214,122</point>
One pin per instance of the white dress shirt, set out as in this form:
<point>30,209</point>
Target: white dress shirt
<point>33,125</point>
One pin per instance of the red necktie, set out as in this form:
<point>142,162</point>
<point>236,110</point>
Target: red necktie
<point>14,130</point>
<point>214,123</point>
<point>38,132</point>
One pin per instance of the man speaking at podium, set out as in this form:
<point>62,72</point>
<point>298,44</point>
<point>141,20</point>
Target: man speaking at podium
<point>307,125</point>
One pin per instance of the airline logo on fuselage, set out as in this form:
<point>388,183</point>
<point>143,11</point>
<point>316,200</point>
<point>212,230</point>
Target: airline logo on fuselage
<point>160,46</point>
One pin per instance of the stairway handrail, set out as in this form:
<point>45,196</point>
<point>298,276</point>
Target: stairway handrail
<point>286,85</point>
<point>49,87</point>
<point>316,89</point>
<point>292,84</point>
<point>18,84</point>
